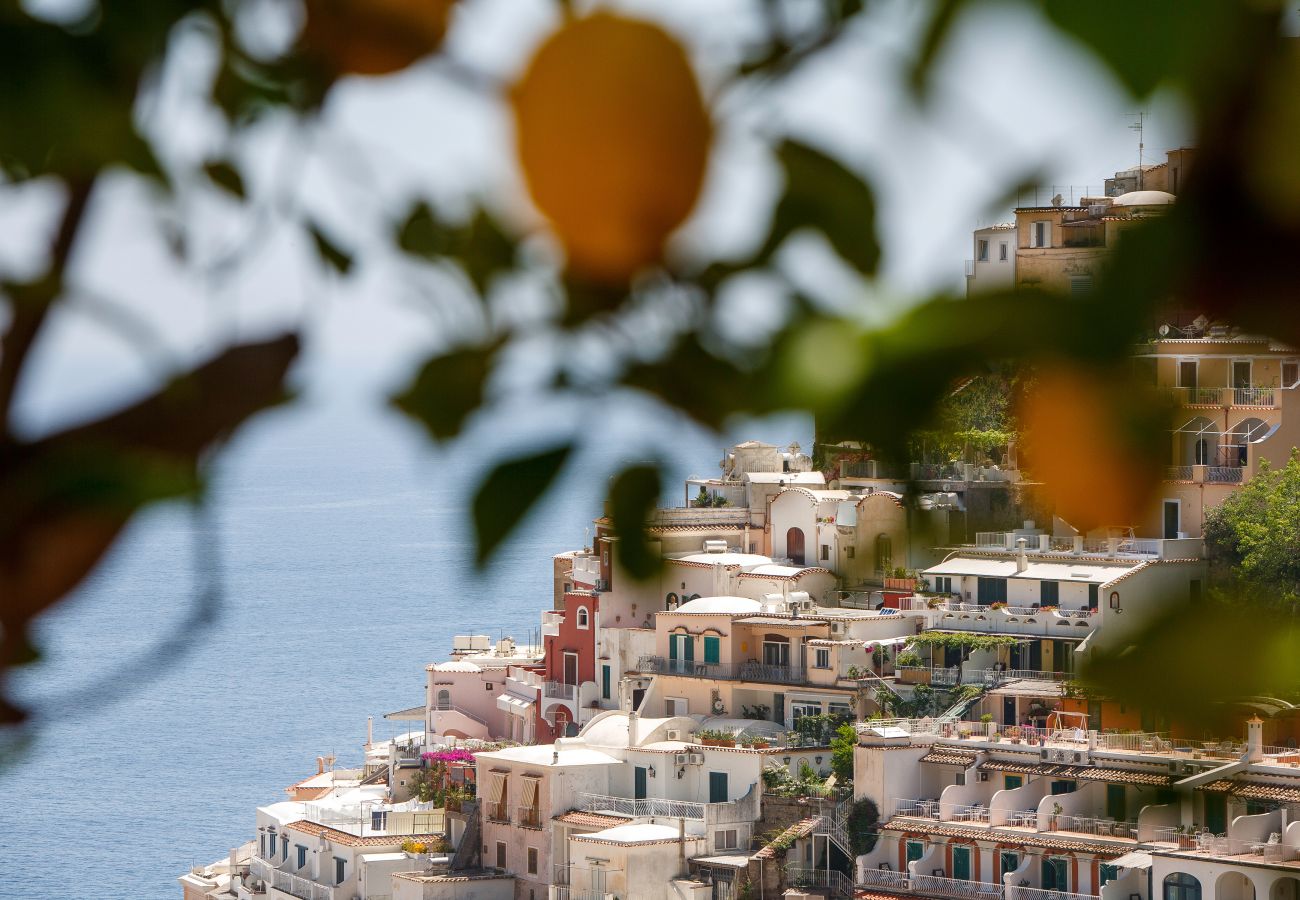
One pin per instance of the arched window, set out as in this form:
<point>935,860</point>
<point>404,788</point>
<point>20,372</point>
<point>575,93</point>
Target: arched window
<point>1181,886</point>
<point>794,546</point>
<point>884,554</point>
<point>444,699</point>
<point>582,617</point>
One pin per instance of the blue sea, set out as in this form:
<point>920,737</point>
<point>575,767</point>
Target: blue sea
<point>345,555</point>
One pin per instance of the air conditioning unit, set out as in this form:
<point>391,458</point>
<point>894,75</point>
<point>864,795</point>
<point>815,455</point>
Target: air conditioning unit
<point>674,735</point>
<point>681,759</point>
<point>837,627</point>
<point>695,759</point>
<point>984,776</point>
<point>1078,757</point>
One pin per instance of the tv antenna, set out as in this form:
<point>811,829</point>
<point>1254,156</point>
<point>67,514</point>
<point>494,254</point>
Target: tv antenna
<point>1138,126</point>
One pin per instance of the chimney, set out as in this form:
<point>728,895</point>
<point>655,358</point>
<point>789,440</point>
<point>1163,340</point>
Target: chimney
<point>1078,543</point>
<point>719,580</point>
<point>1255,739</point>
<point>320,765</point>
<point>370,730</point>
<point>633,727</point>
<point>1022,561</point>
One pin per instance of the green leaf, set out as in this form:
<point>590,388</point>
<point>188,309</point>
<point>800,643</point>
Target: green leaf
<point>822,194</point>
<point>329,252</point>
<point>485,251</point>
<point>632,499</point>
<point>447,389</point>
<point>508,492</point>
<point>224,175</point>
<point>933,40</point>
<point>421,234</point>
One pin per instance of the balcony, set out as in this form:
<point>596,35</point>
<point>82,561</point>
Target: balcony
<point>497,811</point>
<point>1227,396</point>
<point>558,690</point>
<point>645,807</point>
<point>551,621</point>
<point>1206,474</point>
<point>959,889</point>
<point>529,817</point>
<point>754,671</point>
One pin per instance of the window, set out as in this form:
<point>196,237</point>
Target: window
<point>261,845</point>
<point>444,699</point>
<point>983,254</point>
<point>532,860</point>
<point>489,686</point>
<point>1056,873</point>
<point>826,551</point>
<point>501,854</point>
<point>1049,593</point>
<point>799,710</point>
<point>378,820</point>
<point>1107,873</point>
<point>992,590</point>
<point>717,787</point>
<point>712,649</point>
<point>1011,782</point>
<point>943,584</point>
<point>604,682</point>
<point>1009,861</point>
<point>1290,372</point>
<point>1063,786</point>
<point>675,706</point>
<point>340,870</point>
<point>582,617</point>
<point>284,847</point>
<point>1181,886</point>
<point>1002,251</point>
<point>1040,234</point>
<point>725,839</point>
<point>1241,373</point>
<point>840,709</point>
<point>1187,373</point>
<point>1092,595</point>
<point>823,658</point>
<point>915,850</point>
<point>302,855</point>
<point>848,551</point>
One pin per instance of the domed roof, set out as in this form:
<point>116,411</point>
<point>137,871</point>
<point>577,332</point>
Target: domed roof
<point>720,605</point>
<point>1144,198</point>
<point>457,666</point>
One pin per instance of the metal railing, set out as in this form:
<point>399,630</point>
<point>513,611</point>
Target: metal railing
<point>1178,473</point>
<point>448,706</point>
<point>1033,893</point>
<point>529,817</point>
<point>1101,827</point>
<point>497,812</point>
<point>558,690</point>
<point>743,671</point>
<point>958,888</point>
<point>885,878</point>
<point>916,809</point>
<point>1253,396</point>
<point>648,806</point>
<point>1223,474</point>
<point>303,888</point>
<point>839,884</point>
<point>373,819</point>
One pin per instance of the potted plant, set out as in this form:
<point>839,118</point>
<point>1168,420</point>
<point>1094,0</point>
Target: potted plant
<point>1057,809</point>
<point>998,605</point>
<point>414,849</point>
<point>989,728</point>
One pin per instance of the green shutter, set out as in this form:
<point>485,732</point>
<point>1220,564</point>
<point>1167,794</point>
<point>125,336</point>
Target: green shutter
<point>712,650</point>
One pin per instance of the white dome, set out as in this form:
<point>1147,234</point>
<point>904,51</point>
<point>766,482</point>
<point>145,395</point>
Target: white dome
<point>457,666</point>
<point>1144,198</point>
<point>720,605</point>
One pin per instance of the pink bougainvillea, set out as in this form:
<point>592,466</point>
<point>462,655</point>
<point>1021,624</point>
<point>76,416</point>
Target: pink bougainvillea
<point>454,755</point>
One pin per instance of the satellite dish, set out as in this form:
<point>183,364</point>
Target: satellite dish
<point>1164,330</point>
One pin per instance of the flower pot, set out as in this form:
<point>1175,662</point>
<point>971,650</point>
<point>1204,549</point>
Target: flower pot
<point>759,745</point>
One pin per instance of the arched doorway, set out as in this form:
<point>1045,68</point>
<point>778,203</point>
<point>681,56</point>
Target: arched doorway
<point>1247,431</point>
<point>1198,443</point>
<point>444,699</point>
<point>794,546</point>
<point>1181,886</point>
<point>1285,888</point>
<point>1234,886</point>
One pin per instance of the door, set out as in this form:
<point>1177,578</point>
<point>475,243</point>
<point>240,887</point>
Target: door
<point>1009,711</point>
<point>604,682</point>
<point>570,668</point>
<point>961,863</point>
<point>1063,655</point>
<point>712,650</point>
<point>638,694</point>
<point>1216,813</point>
<point>1241,373</point>
<point>1172,514</point>
<point>776,652</point>
<point>717,787</point>
<point>992,590</point>
<point>688,648</point>
<point>1055,874</point>
<point>638,783</point>
<point>1116,802</point>
<point>778,708</point>
<point>915,850</point>
<point>1187,373</point>
<point>794,546</point>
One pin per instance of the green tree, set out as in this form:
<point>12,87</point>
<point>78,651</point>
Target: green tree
<point>1253,536</point>
<point>846,738</point>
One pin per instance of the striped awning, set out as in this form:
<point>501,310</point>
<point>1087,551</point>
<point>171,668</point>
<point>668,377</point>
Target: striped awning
<point>497,788</point>
<point>1276,793</point>
<point>1078,773</point>
<point>1015,768</point>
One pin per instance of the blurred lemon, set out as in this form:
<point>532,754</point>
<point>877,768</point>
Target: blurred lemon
<point>613,139</point>
<point>1090,438</point>
<point>374,37</point>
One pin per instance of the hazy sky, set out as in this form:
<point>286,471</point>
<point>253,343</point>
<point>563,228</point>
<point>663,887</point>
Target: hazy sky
<point>1012,98</point>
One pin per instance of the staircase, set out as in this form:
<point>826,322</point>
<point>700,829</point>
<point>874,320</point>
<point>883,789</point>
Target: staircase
<point>958,709</point>
<point>835,825</point>
<point>467,851</point>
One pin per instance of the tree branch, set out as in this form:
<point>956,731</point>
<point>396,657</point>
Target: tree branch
<point>32,303</point>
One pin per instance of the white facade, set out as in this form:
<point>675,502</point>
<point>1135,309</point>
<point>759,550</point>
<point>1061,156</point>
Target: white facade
<point>992,266</point>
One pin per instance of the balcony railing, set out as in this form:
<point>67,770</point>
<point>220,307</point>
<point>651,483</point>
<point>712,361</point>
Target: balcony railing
<point>942,886</point>
<point>1033,893</point>
<point>886,878</point>
<point>916,809</point>
<point>801,876</point>
<point>303,888</point>
<point>743,671</point>
<point>1092,825</point>
<point>1223,474</point>
<point>649,806</point>
<point>448,706</point>
<point>498,812</point>
<point>558,690</point>
<point>530,817</point>
<point>1227,396</point>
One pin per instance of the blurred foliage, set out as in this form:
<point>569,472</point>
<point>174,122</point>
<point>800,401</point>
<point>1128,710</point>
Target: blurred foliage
<point>614,137</point>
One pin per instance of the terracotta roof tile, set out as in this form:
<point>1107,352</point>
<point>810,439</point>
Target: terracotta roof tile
<point>951,756</point>
<point>799,829</point>
<point>590,819</point>
<point>302,826</point>
<point>1100,848</point>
